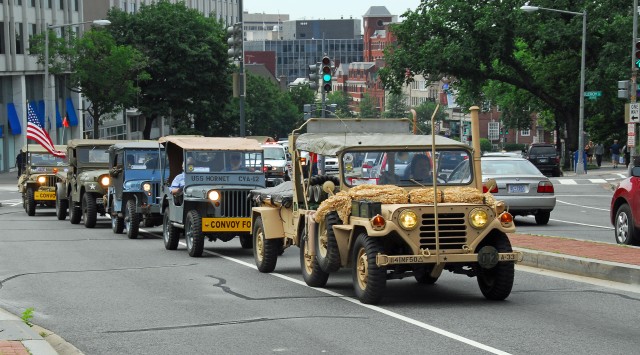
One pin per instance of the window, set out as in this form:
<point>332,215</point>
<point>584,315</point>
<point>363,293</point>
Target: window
<point>49,3</point>
<point>2,51</point>
<point>494,131</point>
<point>33,3</point>
<point>19,38</point>
<point>525,132</point>
<point>61,4</point>
<point>75,5</point>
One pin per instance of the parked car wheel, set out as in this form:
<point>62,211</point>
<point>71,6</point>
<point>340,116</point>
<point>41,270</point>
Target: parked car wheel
<point>31,202</point>
<point>170,234</point>
<point>369,279</point>
<point>326,245</point>
<point>265,251</point>
<point>132,219</point>
<point>625,231</point>
<point>61,207</point>
<point>75,213</point>
<point>89,210</point>
<point>542,217</point>
<point>193,234</point>
<point>496,283</point>
<point>311,271</point>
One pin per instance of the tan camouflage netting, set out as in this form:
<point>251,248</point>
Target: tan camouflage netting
<point>386,194</point>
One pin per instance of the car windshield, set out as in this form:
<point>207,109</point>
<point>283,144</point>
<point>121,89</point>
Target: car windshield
<point>45,159</point>
<point>546,150</point>
<point>92,155</point>
<point>403,167</point>
<point>274,153</point>
<point>209,161</point>
<point>141,159</point>
<point>508,167</point>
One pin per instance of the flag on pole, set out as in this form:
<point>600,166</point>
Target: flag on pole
<point>36,132</point>
<point>65,122</point>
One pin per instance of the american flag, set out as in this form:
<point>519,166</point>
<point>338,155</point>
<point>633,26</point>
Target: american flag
<point>36,132</point>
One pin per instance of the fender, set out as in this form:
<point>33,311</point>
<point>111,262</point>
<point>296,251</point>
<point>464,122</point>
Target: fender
<point>271,222</point>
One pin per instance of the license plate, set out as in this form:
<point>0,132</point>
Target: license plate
<point>517,189</point>
<point>543,160</point>
<point>44,195</point>
<point>226,224</point>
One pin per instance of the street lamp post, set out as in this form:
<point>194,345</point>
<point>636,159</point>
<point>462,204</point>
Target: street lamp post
<point>580,163</point>
<point>47,89</point>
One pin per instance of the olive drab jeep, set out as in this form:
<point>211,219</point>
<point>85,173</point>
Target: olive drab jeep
<point>135,191</point>
<point>83,191</point>
<point>406,215</point>
<point>42,171</point>
<point>213,202</point>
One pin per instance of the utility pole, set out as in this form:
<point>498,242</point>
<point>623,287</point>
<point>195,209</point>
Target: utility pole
<point>236,53</point>
<point>631,142</point>
<point>241,76</point>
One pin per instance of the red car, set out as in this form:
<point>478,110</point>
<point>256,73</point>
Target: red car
<point>625,209</point>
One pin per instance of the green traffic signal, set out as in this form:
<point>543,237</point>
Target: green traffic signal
<point>326,77</point>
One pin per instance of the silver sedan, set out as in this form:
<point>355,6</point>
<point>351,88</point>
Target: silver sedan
<point>522,187</point>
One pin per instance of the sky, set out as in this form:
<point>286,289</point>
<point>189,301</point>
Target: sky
<point>313,10</point>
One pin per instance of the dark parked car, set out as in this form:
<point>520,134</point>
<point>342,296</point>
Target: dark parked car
<point>545,157</point>
<point>625,210</point>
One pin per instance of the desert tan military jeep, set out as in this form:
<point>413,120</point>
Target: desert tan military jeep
<point>406,215</point>
<point>37,184</point>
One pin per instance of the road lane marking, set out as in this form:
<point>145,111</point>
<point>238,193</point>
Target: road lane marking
<point>575,204</point>
<point>568,182</point>
<point>598,181</point>
<point>371,307</point>
<point>581,224</point>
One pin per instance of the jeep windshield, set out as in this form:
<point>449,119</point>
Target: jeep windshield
<point>93,155</point>
<point>45,159</point>
<point>143,159</point>
<point>210,161</point>
<point>406,167</point>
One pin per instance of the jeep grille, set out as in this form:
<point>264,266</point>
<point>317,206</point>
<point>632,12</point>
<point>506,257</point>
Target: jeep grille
<point>236,203</point>
<point>51,181</point>
<point>452,228</point>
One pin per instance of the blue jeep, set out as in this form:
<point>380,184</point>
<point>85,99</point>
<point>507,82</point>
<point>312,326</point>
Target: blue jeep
<point>133,196</point>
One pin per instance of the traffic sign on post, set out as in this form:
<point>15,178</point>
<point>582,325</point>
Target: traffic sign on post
<point>634,112</point>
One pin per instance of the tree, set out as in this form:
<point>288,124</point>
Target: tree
<point>367,107</point>
<point>395,106</point>
<point>105,73</point>
<point>478,43</point>
<point>424,112</point>
<point>188,64</point>
<point>342,100</point>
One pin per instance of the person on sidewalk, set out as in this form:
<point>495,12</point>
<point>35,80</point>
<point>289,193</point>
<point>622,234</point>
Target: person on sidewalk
<point>599,151</point>
<point>615,153</point>
<point>589,150</point>
<point>626,152</point>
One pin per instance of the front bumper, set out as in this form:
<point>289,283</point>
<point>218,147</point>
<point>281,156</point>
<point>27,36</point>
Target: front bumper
<point>428,258</point>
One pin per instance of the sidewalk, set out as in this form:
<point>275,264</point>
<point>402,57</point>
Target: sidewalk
<point>16,337</point>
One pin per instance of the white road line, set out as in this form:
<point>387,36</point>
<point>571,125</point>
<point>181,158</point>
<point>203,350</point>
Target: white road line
<point>581,224</point>
<point>607,196</point>
<point>624,176</point>
<point>583,206</point>
<point>373,308</point>
<point>568,182</point>
<point>598,181</point>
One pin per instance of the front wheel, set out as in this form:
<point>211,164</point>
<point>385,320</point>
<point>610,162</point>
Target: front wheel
<point>31,202</point>
<point>132,219</point>
<point>170,234</point>
<point>542,217</point>
<point>61,207</point>
<point>625,230</point>
<point>75,214</point>
<point>89,210</point>
<point>311,271</point>
<point>265,251</point>
<point>193,234</point>
<point>369,279</point>
<point>496,283</point>
<point>117,222</point>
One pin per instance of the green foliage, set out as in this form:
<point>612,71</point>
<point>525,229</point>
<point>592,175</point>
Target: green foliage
<point>514,147</point>
<point>343,101</point>
<point>425,111</point>
<point>525,62</point>
<point>367,107</point>
<point>301,95</point>
<point>27,315</point>
<point>188,64</point>
<point>485,145</point>
<point>395,106</point>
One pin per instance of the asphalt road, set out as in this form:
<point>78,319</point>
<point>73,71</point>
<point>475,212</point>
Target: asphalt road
<point>107,294</point>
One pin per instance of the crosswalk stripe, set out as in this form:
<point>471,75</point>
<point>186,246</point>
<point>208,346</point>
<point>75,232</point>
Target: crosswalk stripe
<point>568,182</point>
<point>598,181</point>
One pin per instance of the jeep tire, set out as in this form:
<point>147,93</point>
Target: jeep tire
<point>117,222</point>
<point>311,271</point>
<point>132,219</point>
<point>265,251</point>
<point>246,242</point>
<point>327,251</point>
<point>369,279</point>
<point>496,283</point>
<point>61,207</point>
<point>89,210</point>
<point>170,234</point>
<point>193,234</point>
<point>30,207</point>
<point>75,213</point>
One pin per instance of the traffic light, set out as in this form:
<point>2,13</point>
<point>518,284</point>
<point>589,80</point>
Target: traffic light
<point>638,54</point>
<point>326,73</point>
<point>235,41</point>
<point>313,77</point>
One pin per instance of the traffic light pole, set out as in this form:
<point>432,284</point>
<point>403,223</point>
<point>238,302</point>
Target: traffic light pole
<point>241,76</point>
<point>633,86</point>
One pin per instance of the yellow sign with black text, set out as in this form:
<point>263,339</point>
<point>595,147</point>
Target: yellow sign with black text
<point>44,195</point>
<point>226,224</point>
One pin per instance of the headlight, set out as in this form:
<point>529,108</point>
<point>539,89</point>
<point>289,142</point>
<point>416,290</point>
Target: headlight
<point>146,187</point>
<point>105,180</point>
<point>42,179</point>
<point>408,219</point>
<point>213,195</point>
<point>478,218</point>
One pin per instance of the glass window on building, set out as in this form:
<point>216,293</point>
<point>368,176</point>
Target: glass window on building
<point>61,4</point>
<point>525,132</point>
<point>75,5</point>
<point>49,3</point>
<point>19,38</point>
<point>2,50</point>
<point>494,131</point>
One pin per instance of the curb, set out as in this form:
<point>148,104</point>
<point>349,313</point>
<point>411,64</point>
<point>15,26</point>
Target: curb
<point>13,328</point>
<point>599,269</point>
